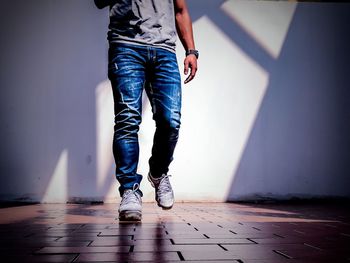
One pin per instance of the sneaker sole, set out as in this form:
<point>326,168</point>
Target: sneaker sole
<point>130,216</point>
<point>165,207</point>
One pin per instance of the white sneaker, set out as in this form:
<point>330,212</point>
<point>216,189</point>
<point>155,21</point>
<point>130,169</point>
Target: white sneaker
<point>130,205</point>
<point>164,191</point>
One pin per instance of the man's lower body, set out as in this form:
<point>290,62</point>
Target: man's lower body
<point>131,69</point>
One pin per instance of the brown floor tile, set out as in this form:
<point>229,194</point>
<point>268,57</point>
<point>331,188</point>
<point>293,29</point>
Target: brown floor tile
<point>111,242</point>
<point>266,251</point>
<point>66,244</point>
<point>130,257</point>
<point>251,236</point>
<point>276,240</point>
<point>41,258</point>
<point>70,250</point>
<point>156,247</point>
<point>208,255</point>
<point>285,260</point>
<point>170,236</point>
<point>185,241</point>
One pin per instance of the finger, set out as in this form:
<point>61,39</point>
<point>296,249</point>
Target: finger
<point>186,65</point>
<point>191,76</point>
<point>194,71</point>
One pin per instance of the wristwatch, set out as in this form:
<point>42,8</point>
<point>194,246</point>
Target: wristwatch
<point>193,52</point>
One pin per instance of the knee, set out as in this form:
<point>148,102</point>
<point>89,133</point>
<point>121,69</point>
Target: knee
<point>169,122</point>
<point>127,124</point>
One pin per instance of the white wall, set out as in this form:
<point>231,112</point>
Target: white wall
<point>266,117</point>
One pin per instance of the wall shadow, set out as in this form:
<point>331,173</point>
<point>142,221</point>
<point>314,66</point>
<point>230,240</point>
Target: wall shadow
<point>299,143</point>
<point>300,136</point>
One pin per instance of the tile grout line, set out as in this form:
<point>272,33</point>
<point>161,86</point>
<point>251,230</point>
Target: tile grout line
<point>75,258</point>
<point>180,256</point>
<point>282,254</point>
<point>220,245</point>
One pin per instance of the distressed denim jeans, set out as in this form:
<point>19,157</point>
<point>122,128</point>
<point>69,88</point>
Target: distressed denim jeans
<point>131,69</point>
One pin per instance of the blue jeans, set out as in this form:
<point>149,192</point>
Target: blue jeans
<point>132,68</point>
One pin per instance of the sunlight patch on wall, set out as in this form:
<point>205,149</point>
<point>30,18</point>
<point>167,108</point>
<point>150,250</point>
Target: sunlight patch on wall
<point>104,132</point>
<point>112,195</point>
<point>219,109</point>
<point>266,21</point>
<point>57,189</point>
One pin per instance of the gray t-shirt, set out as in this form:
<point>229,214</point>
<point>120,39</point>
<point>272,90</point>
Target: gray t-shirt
<point>144,22</point>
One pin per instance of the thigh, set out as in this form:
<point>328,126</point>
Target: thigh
<point>126,71</point>
<point>164,89</point>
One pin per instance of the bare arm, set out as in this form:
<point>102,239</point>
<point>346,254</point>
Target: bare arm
<point>185,32</point>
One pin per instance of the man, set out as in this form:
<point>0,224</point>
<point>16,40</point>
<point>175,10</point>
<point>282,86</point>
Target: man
<point>142,35</point>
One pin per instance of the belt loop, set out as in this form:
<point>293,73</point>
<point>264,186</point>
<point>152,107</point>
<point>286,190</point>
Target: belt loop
<point>148,53</point>
<point>155,55</point>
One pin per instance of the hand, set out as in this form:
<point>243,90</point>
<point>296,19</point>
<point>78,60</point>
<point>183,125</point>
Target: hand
<point>190,63</point>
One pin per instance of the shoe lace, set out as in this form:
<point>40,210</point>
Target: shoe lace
<point>164,184</point>
<point>131,196</point>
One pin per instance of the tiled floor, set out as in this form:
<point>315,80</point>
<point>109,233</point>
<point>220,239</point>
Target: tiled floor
<point>190,232</point>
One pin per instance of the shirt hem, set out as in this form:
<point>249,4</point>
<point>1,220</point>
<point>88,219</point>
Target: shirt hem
<point>168,48</point>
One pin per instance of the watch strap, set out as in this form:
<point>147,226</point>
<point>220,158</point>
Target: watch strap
<point>192,52</point>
